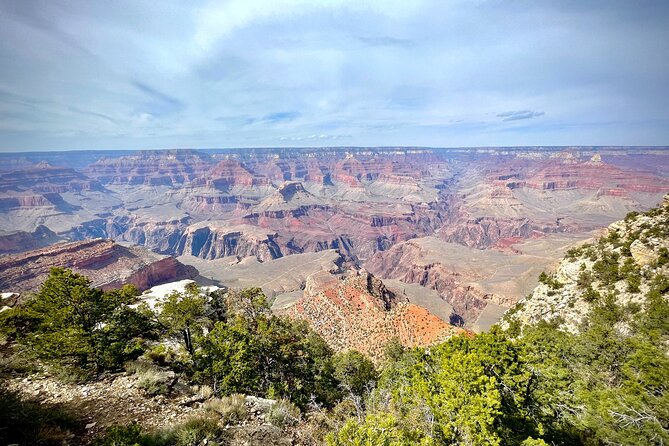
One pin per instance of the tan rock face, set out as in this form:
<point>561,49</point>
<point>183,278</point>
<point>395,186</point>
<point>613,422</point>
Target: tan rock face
<point>107,264</point>
<point>643,255</point>
<point>153,168</point>
<point>570,301</point>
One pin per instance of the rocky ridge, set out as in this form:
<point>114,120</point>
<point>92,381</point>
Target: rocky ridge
<point>153,168</point>
<point>20,241</point>
<point>358,312</point>
<point>622,265</point>
<point>106,263</point>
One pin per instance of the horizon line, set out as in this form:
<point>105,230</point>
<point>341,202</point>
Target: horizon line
<point>513,147</point>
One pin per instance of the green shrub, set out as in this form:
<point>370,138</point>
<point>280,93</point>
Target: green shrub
<point>606,268</point>
<point>550,281</point>
<point>150,378</point>
<point>573,253</point>
<point>154,382</point>
<point>591,295</point>
<point>70,325</point>
<point>257,353</point>
<point>584,279</point>
<point>631,216</point>
<point>133,435</point>
<point>283,413</point>
<point>355,372</point>
<point>118,435</point>
<point>196,430</point>
<point>633,283</point>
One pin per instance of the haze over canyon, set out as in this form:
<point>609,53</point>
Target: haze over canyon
<point>461,234</point>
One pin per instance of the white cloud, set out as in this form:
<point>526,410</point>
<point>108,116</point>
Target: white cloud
<point>218,20</point>
<point>382,72</point>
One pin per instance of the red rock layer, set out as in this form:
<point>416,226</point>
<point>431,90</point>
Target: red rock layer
<point>21,241</point>
<point>107,264</point>
<point>359,313</point>
<point>229,173</point>
<point>46,179</point>
<point>568,173</point>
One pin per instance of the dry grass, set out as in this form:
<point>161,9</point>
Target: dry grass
<point>231,409</point>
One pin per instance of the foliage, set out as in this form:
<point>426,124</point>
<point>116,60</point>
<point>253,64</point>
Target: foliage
<point>71,325</point>
<point>195,430</point>
<point>129,435</point>
<point>355,372</point>
<point>230,409</point>
<point>393,350</point>
<point>663,257</point>
<point>254,352</point>
<point>382,429</point>
<point>283,413</point>
<point>182,314</point>
<point>198,429</point>
<point>552,283</point>
<point>464,391</point>
<point>604,385</point>
<point>154,381</point>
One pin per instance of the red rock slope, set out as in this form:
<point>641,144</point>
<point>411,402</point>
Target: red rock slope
<point>358,312</point>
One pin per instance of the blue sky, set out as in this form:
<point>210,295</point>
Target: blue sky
<point>251,73</point>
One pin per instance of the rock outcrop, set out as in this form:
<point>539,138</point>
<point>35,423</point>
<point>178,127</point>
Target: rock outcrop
<point>20,241</point>
<point>624,265</point>
<point>46,179</point>
<point>359,312</point>
<point>212,240</point>
<point>40,188</point>
<point>106,263</point>
<point>360,201</point>
<point>469,279</point>
<point>487,232</point>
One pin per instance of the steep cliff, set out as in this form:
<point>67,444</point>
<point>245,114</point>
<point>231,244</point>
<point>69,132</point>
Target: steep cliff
<point>478,284</point>
<point>212,240</point>
<point>107,264</point>
<point>151,167</point>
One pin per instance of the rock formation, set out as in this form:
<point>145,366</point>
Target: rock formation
<point>359,312</point>
<point>624,265</point>
<point>152,168</point>
<point>271,203</point>
<point>20,241</point>
<point>106,263</point>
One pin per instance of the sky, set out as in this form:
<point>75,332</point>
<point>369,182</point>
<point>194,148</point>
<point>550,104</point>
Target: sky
<point>129,74</point>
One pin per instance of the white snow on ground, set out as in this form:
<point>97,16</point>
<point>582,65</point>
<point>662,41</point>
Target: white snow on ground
<point>159,293</point>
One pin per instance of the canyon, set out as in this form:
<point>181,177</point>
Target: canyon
<point>462,232</point>
<point>107,264</point>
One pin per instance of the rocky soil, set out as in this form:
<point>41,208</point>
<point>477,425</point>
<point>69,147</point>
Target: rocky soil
<point>103,403</point>
<point>119,400</point>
